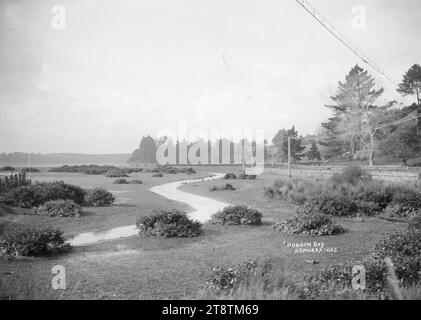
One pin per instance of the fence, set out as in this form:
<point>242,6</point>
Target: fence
<point>380,173</point>
<point>13,180</point>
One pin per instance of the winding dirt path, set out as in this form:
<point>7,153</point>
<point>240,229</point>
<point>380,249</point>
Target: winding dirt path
<point>203,209</point>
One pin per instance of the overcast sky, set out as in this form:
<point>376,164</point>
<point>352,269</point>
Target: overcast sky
<point>123,69</point>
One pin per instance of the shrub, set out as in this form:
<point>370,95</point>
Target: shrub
<point>223,279</point>
<point>39,193</point>
<point>404,209</point>
<point>329,205</point>
<point>168,223</point>
<point>338,277</point>
<point>404,248</point>
<point>313,224</point>
<point>244,176</point>
<point>229,176</point>
<point>98,197</point>
<point>237,215</point>
<point>116,173</point>
<point>132,170</point>
<point>350,175</point>
<point>136,181</point>
<point>45,241</point>
<point>157,175</point>
<point>59,208</point>
<point>121,181</point>
<point>227,186</point>
<point>32,170</point>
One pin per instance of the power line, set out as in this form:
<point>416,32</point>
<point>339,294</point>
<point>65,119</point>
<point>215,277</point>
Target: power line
<point>343,39</point>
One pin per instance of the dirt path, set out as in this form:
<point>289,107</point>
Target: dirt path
<point>203,208</point>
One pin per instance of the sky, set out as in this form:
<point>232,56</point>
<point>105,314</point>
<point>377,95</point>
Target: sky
<point>123,69</point>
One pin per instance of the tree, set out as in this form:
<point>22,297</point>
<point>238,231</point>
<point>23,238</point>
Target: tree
<point>402,143</point>
<point>296,147</point>
<point>146,153</point>
<point>277,141</point>
<point>411,85</point>
<point>354,124</point>
<point>314,153</point>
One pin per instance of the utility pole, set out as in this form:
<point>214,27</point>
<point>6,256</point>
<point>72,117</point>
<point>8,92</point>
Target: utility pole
<point>289,156</point>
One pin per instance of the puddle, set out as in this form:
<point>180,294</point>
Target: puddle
<point>203,209</point>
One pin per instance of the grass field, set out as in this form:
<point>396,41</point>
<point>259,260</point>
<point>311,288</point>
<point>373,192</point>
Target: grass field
<point>144,268</point>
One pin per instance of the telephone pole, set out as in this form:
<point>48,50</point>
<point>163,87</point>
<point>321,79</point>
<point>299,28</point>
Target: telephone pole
<point>289,156</point>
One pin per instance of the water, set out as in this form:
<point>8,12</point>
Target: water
<point>203,209</point>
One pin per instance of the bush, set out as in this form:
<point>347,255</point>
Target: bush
<point>405,209</point>
<point>337,278</point>
<point>136,181</point>
<point>157,175</point>
<point>39,193</point>
<point>99,197</point>
<point>351,175</point>
<point>59,208</point>
<point>45,241</point>
<point>32,170</point>
<point>312,224</point>
<point>237,215</point>
<point>223,279</point>
<point>329,205</point>
<point>121,181</point>
<point>227,186</point>
<point>116,173</point>
<point>229,176</point>
<point>404,248</point>
<point>168,223</point>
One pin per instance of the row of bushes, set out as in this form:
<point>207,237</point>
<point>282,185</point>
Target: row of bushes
<point>242,176</point>
<point>41,192</point>
<point>95,169</point>
<point>350,193</point>
<point>169,170</point>
<point>124,181</point>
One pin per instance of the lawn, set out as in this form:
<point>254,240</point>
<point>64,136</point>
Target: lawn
<point>144,268</point>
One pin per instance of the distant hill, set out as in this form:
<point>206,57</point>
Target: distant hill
<point>54,159</point>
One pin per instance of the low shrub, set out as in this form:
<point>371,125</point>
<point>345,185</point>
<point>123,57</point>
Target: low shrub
<point>404,248</point>
<point>58,208</point>
<point>312,224</point>
<point>157,175</point>
<point>136,181</point>
<point>405,209</point>
<point>236,215</point>
<point>31,170</point>
<point>245,176</point>
<point>350,175</point>
<point>86,169</point>
<point>120,181</point>
<point>98,197</point>
<point>44,241</point>
<point>329,205</point>
<point>168,223</point>
<point>227,186</point>
<point>230,176</point>
<point>116,173</point>
<point>133,170</point>
<point>338,278</point>
<point>223,279</point>
<point>41,192</point>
